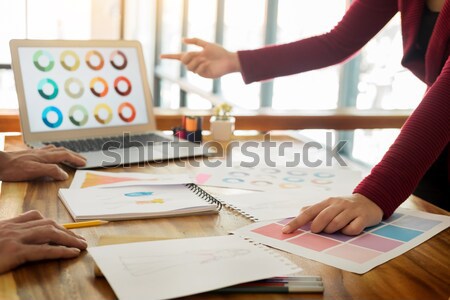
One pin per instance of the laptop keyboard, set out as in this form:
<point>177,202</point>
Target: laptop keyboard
<point>97,144</point>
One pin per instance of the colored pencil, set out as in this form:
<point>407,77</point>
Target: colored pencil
<point>84,224</point>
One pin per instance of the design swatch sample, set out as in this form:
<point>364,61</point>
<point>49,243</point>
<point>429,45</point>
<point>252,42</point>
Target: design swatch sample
<point>376,245</point>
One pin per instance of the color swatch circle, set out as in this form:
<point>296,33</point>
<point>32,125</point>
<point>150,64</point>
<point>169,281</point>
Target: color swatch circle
<point>238,174</point>
<point>73,118</point>
<point>321,181</point>
<point>261,182</point>
<point>42,85</point>
<point>293,179</point>
<point>290,186</point>
<point>233,180</point>
<point>99,57</point>
<point>71,65</point>
<point>102,107</point>
<point>50,64</point>
<point>270,171</point>
<point>118,90</point>
<point>297,173</point>
<point>55,118</point>
<point>102,81</point>
<point>119,65</point>
<point>123,116</point>
<point>70,83</point>
<point>324,175</point>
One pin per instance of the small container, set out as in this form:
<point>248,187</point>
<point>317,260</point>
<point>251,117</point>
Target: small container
<point>221,128</point>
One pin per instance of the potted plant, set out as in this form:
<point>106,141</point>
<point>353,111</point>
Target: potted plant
<point>222,123</point>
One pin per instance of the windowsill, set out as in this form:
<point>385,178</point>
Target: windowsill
<point>266,119</point>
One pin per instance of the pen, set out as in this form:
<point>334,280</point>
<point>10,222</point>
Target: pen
<point>275,289</point>
<point>292,283</point>
<point>84,224</point>
<point>292,279</point>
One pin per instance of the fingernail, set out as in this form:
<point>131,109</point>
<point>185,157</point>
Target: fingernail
<point>76,250</point>
<point>286,229</point>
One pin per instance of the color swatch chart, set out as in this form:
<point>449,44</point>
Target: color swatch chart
<point>279,178</point>
<point>404,230</point>
<point>82,88</point>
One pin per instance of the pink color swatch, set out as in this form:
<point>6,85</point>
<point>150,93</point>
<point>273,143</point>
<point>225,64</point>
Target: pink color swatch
<point>353,253</point>
<point>375,242</point>
<point>314,242</point>
<point>274,231</point>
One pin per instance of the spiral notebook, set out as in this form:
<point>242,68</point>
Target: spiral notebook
<point>181,267</point>
<point>138,202</point>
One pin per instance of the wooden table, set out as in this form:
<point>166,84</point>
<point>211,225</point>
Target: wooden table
<point>422,273</point>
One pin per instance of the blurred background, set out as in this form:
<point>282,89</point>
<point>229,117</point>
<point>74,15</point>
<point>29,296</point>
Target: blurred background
<point>373,79</point>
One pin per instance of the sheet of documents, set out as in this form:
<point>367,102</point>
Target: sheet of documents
<point>182,267</point>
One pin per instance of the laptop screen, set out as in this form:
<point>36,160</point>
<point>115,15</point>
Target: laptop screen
<point>72,88</point>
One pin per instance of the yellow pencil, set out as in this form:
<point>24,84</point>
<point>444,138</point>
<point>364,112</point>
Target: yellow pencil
<point>84,224</point>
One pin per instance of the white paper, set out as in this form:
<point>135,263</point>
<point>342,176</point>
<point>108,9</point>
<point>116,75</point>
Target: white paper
<point>176,268</point>
<point>358,254</point>
<point>132,202</point>
<point>339,181</point>
<point>262,206</point>
<point>89,179</point>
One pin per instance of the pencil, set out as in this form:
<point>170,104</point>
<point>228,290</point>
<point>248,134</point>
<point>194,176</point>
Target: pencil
<point>84,224</point>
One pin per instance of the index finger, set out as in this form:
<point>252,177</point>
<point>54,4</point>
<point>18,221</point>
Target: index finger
<point>195,41</point>
<point>304,217</point>
<point>63,156</point>
<point>171,56</point>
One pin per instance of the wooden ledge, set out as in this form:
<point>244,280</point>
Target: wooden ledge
<point>266,119</point>
<point>269,119</point>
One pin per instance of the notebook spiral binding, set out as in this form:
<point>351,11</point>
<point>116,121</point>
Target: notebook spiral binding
<point>204,195</point>
<point>280,257</point>
<point>241,212</point>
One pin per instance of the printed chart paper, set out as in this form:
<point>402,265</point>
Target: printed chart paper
<point>404,230</point>
<point>176,268</point>
<point>89,179</point>
<point>133,202</point>
<point>340,181</point>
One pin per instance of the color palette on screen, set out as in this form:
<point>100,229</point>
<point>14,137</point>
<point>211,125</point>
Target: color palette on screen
<point>375,245</point>
<point>93,88</point>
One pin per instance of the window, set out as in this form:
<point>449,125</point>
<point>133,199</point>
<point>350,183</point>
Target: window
<point>37,20</point>
<point>383,84</point>
<point>374,79</point>
<point>297,20</point>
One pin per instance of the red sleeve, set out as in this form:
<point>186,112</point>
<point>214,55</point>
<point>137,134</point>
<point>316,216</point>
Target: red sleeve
<point>422,139</point>
<point>361,22</point>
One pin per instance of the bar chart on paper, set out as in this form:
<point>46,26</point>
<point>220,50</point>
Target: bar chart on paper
<point>403,231</point>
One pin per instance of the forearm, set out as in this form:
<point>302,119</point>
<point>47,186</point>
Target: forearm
<point>360,23</point>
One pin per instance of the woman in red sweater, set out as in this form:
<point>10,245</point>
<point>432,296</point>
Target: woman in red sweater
<point>418,161</point>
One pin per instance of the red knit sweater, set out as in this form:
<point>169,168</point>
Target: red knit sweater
<point>426,132</point>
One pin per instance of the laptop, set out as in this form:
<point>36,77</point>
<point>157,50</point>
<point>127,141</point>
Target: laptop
<point>91,97</point>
